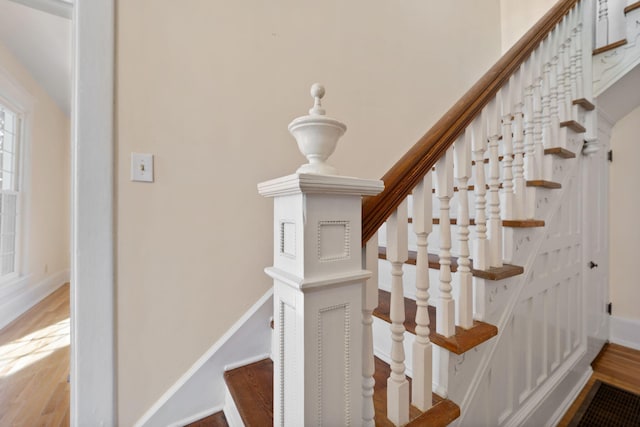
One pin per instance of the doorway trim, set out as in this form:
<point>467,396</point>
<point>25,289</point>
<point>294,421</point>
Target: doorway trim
<point>93,351</point>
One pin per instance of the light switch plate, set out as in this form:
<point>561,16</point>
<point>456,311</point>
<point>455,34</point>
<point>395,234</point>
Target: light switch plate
<point>141,167</point>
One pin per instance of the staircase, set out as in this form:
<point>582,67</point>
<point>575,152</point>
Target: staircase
<point>495,335</point>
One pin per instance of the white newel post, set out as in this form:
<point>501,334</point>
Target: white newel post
<point>318,281</point>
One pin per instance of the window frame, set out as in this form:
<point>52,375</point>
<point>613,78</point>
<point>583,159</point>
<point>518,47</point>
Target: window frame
<point>19,193</point>
<point>17,99</point>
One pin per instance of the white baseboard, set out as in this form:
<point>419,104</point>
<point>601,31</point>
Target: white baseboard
<point>625,332</point>
<point>23,293</point>
<point>201,389</point>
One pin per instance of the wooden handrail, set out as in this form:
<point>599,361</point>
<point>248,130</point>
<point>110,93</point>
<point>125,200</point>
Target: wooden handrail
<point>417,162</point>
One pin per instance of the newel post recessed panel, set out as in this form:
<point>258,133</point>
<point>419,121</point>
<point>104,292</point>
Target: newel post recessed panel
<point>318,281</point>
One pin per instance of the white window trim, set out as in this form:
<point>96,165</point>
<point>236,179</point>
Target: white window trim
<point>14,96</point>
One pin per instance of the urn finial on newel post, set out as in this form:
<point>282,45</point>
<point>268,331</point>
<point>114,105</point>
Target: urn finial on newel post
<point>317,135</point>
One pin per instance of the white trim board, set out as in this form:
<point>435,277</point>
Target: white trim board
<point>202,387</point>
<point>625,332</point>
<point>93,368</point>
<point>26,294</point>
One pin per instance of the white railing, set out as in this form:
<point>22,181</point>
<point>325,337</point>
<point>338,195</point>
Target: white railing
<point>501,154</point>
<point>492,170</point>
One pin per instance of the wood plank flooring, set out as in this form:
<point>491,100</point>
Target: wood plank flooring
<point>34,365</point>
<point>616,365</point>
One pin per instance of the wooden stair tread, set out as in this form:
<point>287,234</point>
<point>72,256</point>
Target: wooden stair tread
<point>560,152</point>
<point>584,103</point>
<point>631,7</point>
<point>514,223</point>
<point>442,413</point>
<point>610,46</point>
<point>522,223</point>
<point>544,184</point>
<point>531,183</point>
<point>464,339</point>
<point>493,273</point>
<point>216,420</point>
<point>573,125</point>
<point>251,387</point>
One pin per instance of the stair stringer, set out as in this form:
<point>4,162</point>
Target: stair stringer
<point>201,391</point>
<point>470,376</point>
<point>612,65</point>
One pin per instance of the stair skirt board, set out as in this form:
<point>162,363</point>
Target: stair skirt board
<point>607,73</point>
<point>202,388</point>
<point>571,396</point>
<point>473,386</point>
<point>542,406</point>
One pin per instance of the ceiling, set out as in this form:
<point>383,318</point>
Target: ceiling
<point>38,33</point>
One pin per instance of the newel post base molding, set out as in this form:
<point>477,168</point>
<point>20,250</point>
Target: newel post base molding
<point>318,284</point>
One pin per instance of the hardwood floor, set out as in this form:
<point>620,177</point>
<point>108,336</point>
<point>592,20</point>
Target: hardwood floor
<point>34,365</point>
<point>616,365</point>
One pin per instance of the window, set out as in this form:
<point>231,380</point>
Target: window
<point>10,126</point>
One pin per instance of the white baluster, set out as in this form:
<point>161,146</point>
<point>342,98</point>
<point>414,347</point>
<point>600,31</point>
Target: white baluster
<point>602,26</point>
<point>518,148</point>
<point>563,113</point>
<point>507,151</point>
<point>462,172</point>
<point>422,349</point>
<point>397,254</point>
<point>479,147</point>
<point>445,314</point>
<point>573,66</point>
<point>568,99</point>
<point>369,303</point>
<point>582,37</point>
<point>547,136</point>
<point>538,151</point>
<point>494,225</point>
<point>553,88</point>
<point>529,158</point>
<point>547,130</point>
<point>579,61</point>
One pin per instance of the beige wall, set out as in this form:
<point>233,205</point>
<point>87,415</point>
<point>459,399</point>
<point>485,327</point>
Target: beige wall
<point>48,220</point>
<point>209,87</point>
<point>517,16</point>
<point>624,200</point>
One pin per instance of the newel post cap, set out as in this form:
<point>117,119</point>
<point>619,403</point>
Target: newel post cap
<point>317,135</point>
